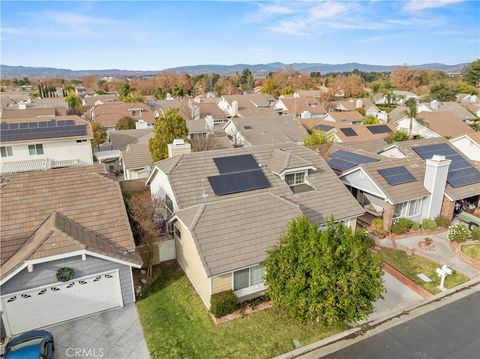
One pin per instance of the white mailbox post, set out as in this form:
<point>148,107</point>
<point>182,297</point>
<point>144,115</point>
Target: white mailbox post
<point>442,273</point>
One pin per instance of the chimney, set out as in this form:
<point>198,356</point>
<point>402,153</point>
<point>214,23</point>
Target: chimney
<point>436,172</point>
<point>234,111</point>
<point>359,104</point>
<point>434,105</point>
<point>178,147</point>
<point>22,105</point>
<point>141,124</point>
<point>209,121</point>
<point>473,98</point>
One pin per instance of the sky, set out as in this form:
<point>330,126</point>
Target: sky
<point>158,35</point>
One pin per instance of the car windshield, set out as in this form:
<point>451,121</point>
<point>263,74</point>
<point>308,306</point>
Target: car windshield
<point>29,349</point>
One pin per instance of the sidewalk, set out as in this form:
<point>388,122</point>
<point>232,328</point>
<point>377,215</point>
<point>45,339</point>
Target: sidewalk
<point>443,254</point>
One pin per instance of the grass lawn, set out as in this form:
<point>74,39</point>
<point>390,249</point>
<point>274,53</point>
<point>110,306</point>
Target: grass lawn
<point>410,266</point>
<point>472,250</point>
<point>176,324</point>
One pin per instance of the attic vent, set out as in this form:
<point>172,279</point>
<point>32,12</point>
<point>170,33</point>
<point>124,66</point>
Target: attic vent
<point>247,127</point>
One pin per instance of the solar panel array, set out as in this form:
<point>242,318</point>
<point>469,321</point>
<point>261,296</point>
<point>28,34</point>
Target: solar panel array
<point>324,128</point>
<point>349,132</point>
<point>460,172</point>
<point>376,129</point>
<point>237,174</point>
<point>397,175</point>
<point>344,160</point>
<point>41,129</point>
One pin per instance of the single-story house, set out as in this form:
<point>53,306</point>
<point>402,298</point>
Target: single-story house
<point>228,207</point>
<point>300,107</point>
<point>67,249</point>
<point>344,117</point>
<point>249,105</point>
<point>108,114</point>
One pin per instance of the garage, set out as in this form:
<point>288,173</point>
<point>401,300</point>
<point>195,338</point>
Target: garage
<point>58,302</point>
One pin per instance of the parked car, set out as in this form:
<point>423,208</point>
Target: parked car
<point>31,345</point>
<point>470,219</point>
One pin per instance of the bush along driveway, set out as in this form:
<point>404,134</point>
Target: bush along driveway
<point>176,324</point>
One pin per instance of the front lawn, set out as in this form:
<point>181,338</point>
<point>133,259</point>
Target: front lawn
<point>410,266</point>
<point>176,324</point>
<point>472,250</point>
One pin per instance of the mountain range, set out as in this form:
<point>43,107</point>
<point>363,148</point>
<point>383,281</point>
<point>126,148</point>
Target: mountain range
<point>8,71</point>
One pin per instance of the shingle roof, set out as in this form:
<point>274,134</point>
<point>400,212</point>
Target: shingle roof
<point>250,226</point>
<point>269,130</point>
<point>82,194</point>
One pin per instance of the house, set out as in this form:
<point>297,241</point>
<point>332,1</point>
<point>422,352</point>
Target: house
<point>82,226</point>
<point>300,107</point>
<point>344,117</point>
<point>38,143</point>
<point>209,112</point>
<point>10,99</point>
<point>427,180</point>
<point>160,107</point>
<point>364,103</point>
<point>312,93</point>
<point>228,207</point>
<point>136,161</point>
<point>247,105</point>
<point>108,114</point>
<point>198,129</point>
<point>252,131</point>
<point>454,107</point>
<point>399,98</point>
<point>434,124</point>
<point>93,100</point>
<point>14,113</point>
<point>469,145</point>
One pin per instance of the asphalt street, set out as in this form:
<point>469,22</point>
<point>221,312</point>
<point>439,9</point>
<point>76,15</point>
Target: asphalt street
<point>449,332</point>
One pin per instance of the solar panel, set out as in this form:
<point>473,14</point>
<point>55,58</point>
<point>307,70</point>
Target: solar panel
<point>349,132</point>
<point>31,133</point>
<point>344,160</point>
<point>238,182</point>
<point>324,128</point>
<point>460,172</point>
<point>379,129</point>
<point>238,163</point>
<point>397,175</point>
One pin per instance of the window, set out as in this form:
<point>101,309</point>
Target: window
<point>408,209</point>
<point>169,203</point>
<point>401,209</point>
<point>295,178</point>
<point>35,149</point>
<point>248,277</point>
<point>176,232</point>
<point>415,207</point>
<point>7,151</point>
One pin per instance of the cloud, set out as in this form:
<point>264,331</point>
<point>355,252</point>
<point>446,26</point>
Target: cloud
<point>420,5</point>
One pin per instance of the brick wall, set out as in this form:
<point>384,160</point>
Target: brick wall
<point>447,208</point>
<point>388,216</point>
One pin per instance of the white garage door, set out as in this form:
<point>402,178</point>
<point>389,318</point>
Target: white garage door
<point>56,303</point>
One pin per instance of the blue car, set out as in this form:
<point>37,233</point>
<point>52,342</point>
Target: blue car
<point>31,345</point>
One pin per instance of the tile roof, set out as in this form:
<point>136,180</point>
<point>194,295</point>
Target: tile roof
<point>346,116</point>
<point>82,194</point>
<point>119,139</point>
<point>250,226</point>
<point>446,124</point>
<point>211,109</point>
<point>268,130</point>
<point>91,100</point>
<point>454,107</point>
<point>256,105</point>
<point>137,155</point>
<point>302,104</point>
<point>284,160</point>
<point>109,114</point>
<point>12,113</point>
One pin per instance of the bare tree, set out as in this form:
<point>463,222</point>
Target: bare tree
<point>148,224</point>
<point>236,138</point>
<point>204,144</point>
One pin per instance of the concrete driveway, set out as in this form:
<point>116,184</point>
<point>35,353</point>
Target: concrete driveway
<point>398,296</point>
<point>116,333</point>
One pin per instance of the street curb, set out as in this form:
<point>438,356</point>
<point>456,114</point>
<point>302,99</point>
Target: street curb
<point>364,329</point>
<point>407,281</point>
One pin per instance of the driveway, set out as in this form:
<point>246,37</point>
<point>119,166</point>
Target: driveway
<point>115,333</point>
<point>398,296</point>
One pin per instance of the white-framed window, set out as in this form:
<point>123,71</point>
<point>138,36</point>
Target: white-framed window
<point>408,209</point>
<point>169,203</point>
<point>6,151</point>
<point>177,234</point>
<point>35,149</point>
<point>293,179</point>
<point>248,277</point>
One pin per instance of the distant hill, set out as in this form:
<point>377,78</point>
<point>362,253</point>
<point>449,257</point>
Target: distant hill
<point>258,69</point>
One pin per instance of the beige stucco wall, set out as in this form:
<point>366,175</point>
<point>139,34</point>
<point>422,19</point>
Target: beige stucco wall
<point>221,282</point>
<point>191,264</point>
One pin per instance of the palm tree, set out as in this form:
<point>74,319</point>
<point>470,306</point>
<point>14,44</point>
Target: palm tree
<point>411,112</point>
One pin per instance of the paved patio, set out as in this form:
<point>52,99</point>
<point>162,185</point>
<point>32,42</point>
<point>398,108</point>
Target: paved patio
<point>115,334</point>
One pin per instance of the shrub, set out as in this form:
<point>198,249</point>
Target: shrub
<point>429,224</point>
<point>442,221</point>
<point>476,234</point>
<point>377,224</point>
<point>402,225</point>
<point>457,232</point>
<point>415,226</point>
<point>223,303</point>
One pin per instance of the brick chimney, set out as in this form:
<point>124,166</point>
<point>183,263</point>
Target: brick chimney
<point>436,172</point>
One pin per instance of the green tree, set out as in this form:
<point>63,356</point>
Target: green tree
<point>125,91</point>
<point>443,92</point>
<point>288,90</point>
<point>317,138</point>
<point>471,73</point>
<point>100,92</point>
<point>370,120</point>
<point>411,112</point>
<point>160,94</point>
<point>167,128</point>
<point>177,91</point>
<point>329,274</point>
<point>125,123</point>
<point>269,87</point>
<point>99,134</point>
<point>465,87</point>
<point>398,136</point>
<point>246,80</point>
<point>74,103</point>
